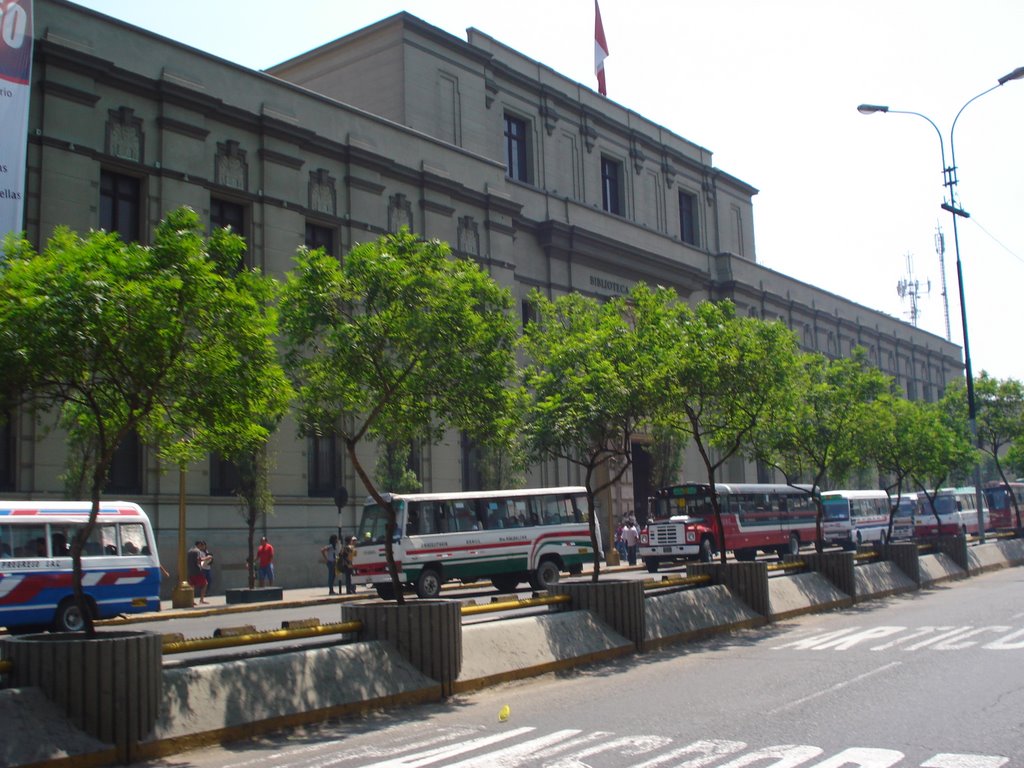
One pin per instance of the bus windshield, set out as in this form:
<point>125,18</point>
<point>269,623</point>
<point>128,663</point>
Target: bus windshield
<point>836,509</point>
<point>374,525</point>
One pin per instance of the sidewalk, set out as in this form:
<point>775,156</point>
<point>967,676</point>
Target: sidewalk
<point>299,596</point>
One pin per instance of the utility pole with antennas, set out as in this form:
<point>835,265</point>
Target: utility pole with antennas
<point>909,288</point>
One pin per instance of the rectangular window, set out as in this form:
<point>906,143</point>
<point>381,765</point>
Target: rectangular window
<point>224,213</point>
<point>688,217</point>
<point>225,479</point>
<point>125,476</point>
<point>120,205</point>
<point>516,165</point>
<point>611,185</point>
<point>324,468</point>
<point>318,236</point>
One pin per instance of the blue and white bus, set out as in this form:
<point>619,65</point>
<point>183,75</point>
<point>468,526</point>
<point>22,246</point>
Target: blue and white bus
<point>852,518</point>
<point>120,566</point>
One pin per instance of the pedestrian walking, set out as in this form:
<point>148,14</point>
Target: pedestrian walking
<point>265,563</point>
<point>329,554</point>
<point>206,566</point>
<point>194,560</point>
<point>631,538</point>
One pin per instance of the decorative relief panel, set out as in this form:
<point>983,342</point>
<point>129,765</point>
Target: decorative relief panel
<point>323,195</point>
<point>468,236</point>
<point>124,135</point>
<point>230,166</point>
<point>399,213</point>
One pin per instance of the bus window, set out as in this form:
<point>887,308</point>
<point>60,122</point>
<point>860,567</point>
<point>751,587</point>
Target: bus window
<point>518,513</point>
<point>28,540</point>
<point>101,542</point>
<point>133,538</point>
<point>465,518</point>
<point>5,542</point>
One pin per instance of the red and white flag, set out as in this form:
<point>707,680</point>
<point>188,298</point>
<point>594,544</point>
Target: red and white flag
<point>600,50</point>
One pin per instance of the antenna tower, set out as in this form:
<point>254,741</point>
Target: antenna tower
<point>940,248</point>
<point>910,289</point>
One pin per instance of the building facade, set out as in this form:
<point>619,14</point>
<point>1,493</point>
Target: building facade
<point>540,180</point>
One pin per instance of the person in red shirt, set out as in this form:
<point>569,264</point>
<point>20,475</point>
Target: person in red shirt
<point>265,563</point>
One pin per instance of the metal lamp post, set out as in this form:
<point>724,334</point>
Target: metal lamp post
<point>951,205</point>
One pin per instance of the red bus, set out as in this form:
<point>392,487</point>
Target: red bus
<point>756,517</point>
<point>1000,505</point>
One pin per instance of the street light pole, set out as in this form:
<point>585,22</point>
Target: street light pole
<point>949,179</point>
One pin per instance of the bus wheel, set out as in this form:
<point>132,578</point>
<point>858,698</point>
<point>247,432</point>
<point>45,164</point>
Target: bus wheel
<point>428,585</point>
<point>545,575</point>
<point>69,618</point>
<point>652,564</point>
<point>707,550</point>
<point>505,582</point>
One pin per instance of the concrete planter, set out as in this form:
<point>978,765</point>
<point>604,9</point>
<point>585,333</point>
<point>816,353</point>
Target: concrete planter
<point>619,604</point>
<point>428,634</point>
<point>110,686</point>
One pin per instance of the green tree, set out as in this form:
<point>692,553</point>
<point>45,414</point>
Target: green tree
<point>119,338</point>
<point>589,378</point>
<point>727,375</point>
<point>906,440</point>
<point>398,344</point>
<point>823,429</point>
<point>1000,422</point>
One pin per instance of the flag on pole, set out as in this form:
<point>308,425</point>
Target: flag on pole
<point>600,50</point>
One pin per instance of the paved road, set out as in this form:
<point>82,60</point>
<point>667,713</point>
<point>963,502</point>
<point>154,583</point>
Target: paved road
<point>932,679</point>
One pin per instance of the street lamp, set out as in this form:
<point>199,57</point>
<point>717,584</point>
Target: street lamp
<point>950,180</point>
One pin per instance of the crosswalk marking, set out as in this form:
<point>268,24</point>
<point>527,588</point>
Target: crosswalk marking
<point>935,638</point>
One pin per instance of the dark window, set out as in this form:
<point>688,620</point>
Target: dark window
<point>225,479</point>
<point>688,218</point>
<point>529,312</point>
<point>125,474</point>
<point>224,213</point>
<point>227,214</point>
<point>6,452</point>
<point>120,205</point>
<point>515,149</point>
<point>318,236</point>
<point>472,474</point>
<point>611,189</point>
<point>324,467</point>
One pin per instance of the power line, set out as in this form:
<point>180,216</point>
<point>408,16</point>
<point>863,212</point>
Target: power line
<point>997,241</point>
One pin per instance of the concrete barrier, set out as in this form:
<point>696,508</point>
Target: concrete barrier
<point>995,554</point>
<point>801,593</point>
<point>877,580</point>
<point>693,614</point>
<point>937,568</point>
<point>225,701</point>
<point>499,651</point>
<point>747,581</point>
<point>619,604</point>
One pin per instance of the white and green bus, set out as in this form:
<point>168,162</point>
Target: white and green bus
<point>506,536</point>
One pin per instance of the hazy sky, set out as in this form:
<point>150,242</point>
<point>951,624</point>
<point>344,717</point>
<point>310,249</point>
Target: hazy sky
<point>772,89</point>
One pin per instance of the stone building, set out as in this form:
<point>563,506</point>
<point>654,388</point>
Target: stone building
<point>539,179</point>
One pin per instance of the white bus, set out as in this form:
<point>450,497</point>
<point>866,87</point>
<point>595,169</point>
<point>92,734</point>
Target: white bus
<point>852,518</point>
<point>955,511</point>
<point>505,536</point>
<point>120,566</point>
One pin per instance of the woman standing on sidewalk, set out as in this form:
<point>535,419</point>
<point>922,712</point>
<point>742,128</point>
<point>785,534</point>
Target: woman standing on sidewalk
<point>329,553</point>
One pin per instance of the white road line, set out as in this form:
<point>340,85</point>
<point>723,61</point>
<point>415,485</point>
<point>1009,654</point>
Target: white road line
<point>836,687</point>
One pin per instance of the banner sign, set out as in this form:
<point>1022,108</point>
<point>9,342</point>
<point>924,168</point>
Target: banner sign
<point>16,39</point>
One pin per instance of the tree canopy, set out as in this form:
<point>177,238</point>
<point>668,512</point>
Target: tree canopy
<point>167,340</point>
<point>397,344</point>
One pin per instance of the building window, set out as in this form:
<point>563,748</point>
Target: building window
<point>688,218</point>
<point>324,467</point>
<point>224,213</point>
<point>318,236</point>
<point>225,479</point>
<point>125,475</point>
<point>611,185</point>
<point>6,452</point>
<point>516,165</point>
<point>120,205</point>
